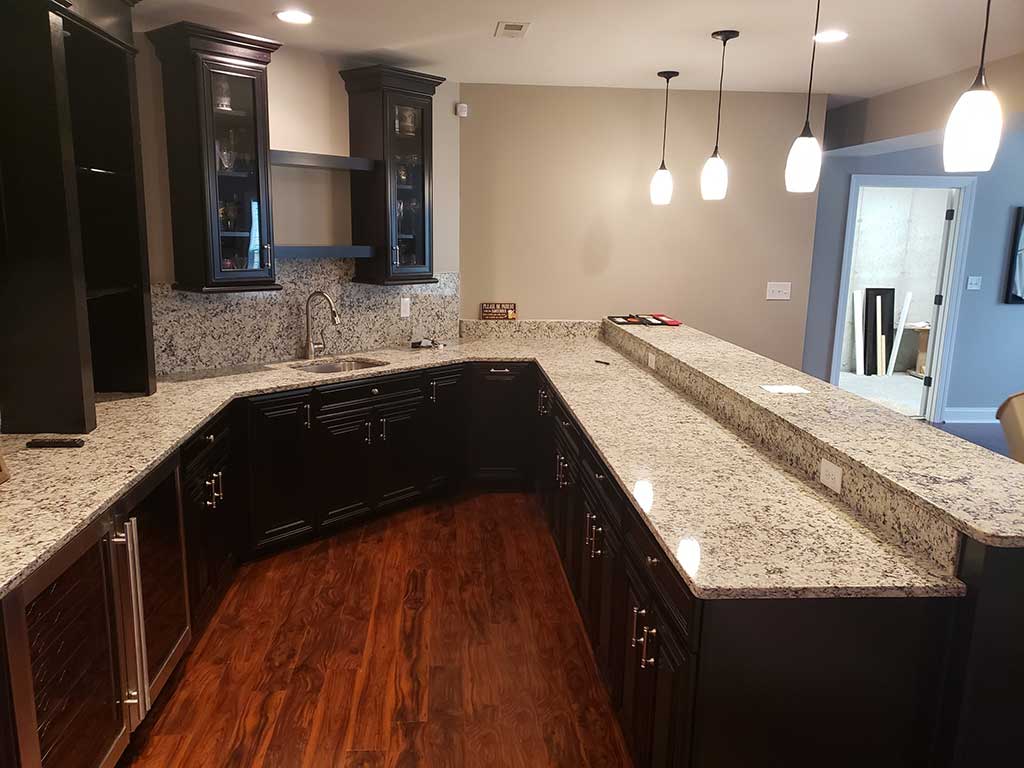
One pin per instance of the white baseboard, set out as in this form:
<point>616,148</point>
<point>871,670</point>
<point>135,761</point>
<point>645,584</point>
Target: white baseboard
<point>970,416</point>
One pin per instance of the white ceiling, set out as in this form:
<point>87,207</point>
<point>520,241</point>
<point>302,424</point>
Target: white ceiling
<point>892,43</point>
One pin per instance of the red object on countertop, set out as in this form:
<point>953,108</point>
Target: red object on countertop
<point>666,319</point>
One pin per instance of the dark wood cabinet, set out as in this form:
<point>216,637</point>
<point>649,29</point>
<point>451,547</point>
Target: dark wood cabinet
<point>344,456</point>
<point>63,640</point>
<point>390,121</point>
<point>501,417</point>
<point>218,152</point>
<point>444,444</point>
<point>399,461</point>
<point>73,258</point>
<point>211,511</point>
<point>8,734</point>
<point>281,507</point>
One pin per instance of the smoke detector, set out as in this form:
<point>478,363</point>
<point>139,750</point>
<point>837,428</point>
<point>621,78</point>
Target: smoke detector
<point>511,29</point>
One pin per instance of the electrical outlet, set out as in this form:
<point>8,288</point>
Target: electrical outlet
<point>779,291</point>
<point>831,476</point>
<point>406,306</point>
<point>651,361</point>
<point>974,283</point>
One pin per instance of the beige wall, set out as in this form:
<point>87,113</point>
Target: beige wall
<point>556,214</point>
<point>923,107</point>
<point>308,113</point>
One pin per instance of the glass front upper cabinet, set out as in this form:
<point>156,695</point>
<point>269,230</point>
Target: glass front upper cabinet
<point>222,222</point>
<point>390,121</point>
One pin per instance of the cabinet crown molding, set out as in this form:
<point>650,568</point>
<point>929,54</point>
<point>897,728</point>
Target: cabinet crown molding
<point>381,76</point>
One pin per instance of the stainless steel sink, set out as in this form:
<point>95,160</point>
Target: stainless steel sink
<point>339,366</point>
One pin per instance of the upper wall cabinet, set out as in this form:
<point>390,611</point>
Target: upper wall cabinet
<point>218,154</point>
<point>390,120</point>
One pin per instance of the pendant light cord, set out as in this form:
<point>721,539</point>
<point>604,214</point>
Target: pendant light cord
<point>984,39</point>
<point>814,50</point>
<point>664,128</point>
<point>721,81</point>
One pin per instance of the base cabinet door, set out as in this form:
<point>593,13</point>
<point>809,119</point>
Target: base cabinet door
<point>444,443</point>
<point>399,451</point>
<point>503,400</point>
<point>343,451</point>
<point>279,430</point>
<point>65,660</point>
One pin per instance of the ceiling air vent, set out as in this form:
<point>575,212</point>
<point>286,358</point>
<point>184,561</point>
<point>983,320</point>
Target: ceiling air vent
<point>511,29</point>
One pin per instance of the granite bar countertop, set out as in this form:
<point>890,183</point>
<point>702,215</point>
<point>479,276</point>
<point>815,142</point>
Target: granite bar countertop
<point>735,522</point>
<point>978,492</point>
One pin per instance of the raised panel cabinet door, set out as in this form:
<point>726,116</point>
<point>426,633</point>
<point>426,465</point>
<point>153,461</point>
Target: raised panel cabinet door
<point>501,416</point>
<point>398,449</point>
<point>444,446</point>
<point>8,742</point>
<point>671,668</point>
<point>221,530</point>
<point>281,509</point>
<point>343,456</point>
<point>628,625</point>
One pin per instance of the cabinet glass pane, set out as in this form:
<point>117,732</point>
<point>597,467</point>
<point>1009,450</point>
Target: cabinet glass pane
<point>238,174</point>
<point>407,144</point>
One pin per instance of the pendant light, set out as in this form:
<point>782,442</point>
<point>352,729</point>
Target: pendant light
<point>803,167</point>
<point>714,178</point>
<point>661,181</point>
<point>975,125</point>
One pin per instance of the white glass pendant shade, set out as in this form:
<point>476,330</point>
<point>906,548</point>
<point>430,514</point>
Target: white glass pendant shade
<point>973,132</point>
<point>803,167</point>
<point>714,178</point>
<point>661,187</point>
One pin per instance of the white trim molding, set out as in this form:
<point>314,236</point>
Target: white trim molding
<point>970,415</point>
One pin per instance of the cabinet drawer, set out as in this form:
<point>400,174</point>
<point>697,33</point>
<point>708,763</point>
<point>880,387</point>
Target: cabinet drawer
<point>368,391</point>
<point>598,482</point>
<point>677,603</point>
<point>215,432</point>
<point>566,431</point>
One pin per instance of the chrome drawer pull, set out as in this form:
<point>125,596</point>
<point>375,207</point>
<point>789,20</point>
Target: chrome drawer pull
<point>646,662</point>
<point>637,613</point>
<point>500,370</point>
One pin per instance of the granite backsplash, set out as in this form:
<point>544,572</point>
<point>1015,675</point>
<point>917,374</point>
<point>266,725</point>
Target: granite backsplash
<point>193,331</point>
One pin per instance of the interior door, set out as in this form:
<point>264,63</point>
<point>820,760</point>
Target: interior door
<point>934,354</point>
<point>399,453</point>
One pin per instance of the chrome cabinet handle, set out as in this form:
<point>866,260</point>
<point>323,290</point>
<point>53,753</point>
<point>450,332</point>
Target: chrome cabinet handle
<point>589,532</point>
<point>637,613</point>
<point>384,429</point>
<point>219,488</point>
<point>652,561</point>
<point>594,551</point>
<point>433,391</point>
<point>598,476</point>
<point>212,485</point>
<point>209,438</point>
<point>309,423</point>
<point>369,433</point>
<point>646,662</point>
<point>395,251</point>
<point>564,480</point>
<point>374,391</point>
<point>138,619</point>
<point>558,469</point>
<point>500,370</point>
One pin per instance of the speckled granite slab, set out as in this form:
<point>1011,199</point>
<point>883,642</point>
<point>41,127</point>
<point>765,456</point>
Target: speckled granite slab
<point>924,484</point>
<point>733,520</point>
<point>529,329</point>
<point>193,331</point>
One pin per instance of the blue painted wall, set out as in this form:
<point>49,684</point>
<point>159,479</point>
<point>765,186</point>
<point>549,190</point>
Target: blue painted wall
<point>988,361</point>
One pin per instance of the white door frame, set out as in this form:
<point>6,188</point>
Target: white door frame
<point>953,278</point>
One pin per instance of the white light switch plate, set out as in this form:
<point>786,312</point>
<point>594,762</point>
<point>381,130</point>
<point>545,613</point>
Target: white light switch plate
<point>974,283</point>
<point>406,306</point>
<point>831,476</point>
<point>651,361</point>
<point>779,291</point>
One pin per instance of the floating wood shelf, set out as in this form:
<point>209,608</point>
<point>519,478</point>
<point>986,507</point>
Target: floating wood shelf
<point>325,251</point>
<point>328,162</point>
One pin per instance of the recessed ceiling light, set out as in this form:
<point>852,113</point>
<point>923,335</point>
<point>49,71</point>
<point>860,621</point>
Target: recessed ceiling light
<point>294,16</point>
<point>831,36</point>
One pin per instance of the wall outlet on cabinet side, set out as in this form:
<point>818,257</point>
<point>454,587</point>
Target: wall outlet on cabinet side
<point>831,476</point>
<point>651,361</point>
<point>406,306</point>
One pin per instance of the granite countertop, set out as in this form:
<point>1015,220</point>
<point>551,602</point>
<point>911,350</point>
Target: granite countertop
<point>735,522</point>
<point>979,493</point>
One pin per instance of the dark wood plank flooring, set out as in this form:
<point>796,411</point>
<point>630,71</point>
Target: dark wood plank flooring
<point>444,635</point>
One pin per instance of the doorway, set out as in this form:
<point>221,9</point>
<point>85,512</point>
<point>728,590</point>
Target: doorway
<point>899,294</point>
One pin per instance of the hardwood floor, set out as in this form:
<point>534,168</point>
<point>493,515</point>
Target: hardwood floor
<point>445,635</point>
